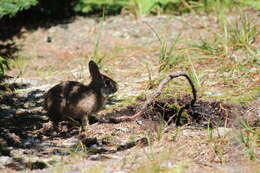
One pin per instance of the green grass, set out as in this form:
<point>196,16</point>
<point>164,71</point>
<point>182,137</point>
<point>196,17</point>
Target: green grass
<point>21,64</point>
<point>230,53</point>
<point>253,3</point>
<point>138,8</point>
<point>248,137</point>
<point>4,65</point>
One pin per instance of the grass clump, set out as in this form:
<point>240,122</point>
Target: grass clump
<point>249,137</point>
<point>4,65</point>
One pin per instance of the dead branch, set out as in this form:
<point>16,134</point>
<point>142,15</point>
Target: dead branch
<point>156,93</point>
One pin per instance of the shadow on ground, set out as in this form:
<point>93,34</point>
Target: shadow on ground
<point>204,113</point>
<point>20,115</point>
<point>25,130</point>
<point>45,14</point>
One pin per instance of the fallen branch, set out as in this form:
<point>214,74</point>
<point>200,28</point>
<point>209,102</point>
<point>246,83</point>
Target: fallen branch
<point>156,93</point>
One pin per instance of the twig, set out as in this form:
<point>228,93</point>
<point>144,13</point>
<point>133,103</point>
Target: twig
<point>156,93</point>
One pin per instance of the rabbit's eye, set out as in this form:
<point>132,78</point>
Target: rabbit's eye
<point>107,82</point>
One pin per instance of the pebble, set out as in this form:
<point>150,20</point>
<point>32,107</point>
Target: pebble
<point>30,142</point>
<point>123,129</point>
<point>48,144</point>
<point>98,157</point>
<point>70,143</point>
<point>168,164</point>
<point>95,157</point>
<point>4,160</point>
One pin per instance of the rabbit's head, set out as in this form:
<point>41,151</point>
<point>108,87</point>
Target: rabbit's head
<point>100,81</point>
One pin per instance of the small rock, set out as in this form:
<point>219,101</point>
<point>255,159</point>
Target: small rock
<point>16,152</point>
<point>123,129</point>
<point>70,142</point>
<point>21,111</point>
<point>29,142</point>
<point>4,160</point>
<point>48,39</point>
<point>4,106</point>
<point>98,157</point>
<point>48,144</point>
<point>95,157</point>
<point>60,152</point>
<point>168,164</point>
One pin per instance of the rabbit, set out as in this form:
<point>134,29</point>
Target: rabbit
<point>74,100</point>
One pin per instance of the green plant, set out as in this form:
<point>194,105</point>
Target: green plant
<point>161,129</point>
<point>11,7</point>
<point>217,6</point>
<point>253,3</point>
<point>141,8</point>
<point>78,150</point>
<point>175,134</point>
<point>248,137</point>
<point>166,57</point>
<point>209,131</point>
<point>242,32</point>
<point>3,66</point>
<point>97,57</point>
<point>246,140</point>
<point>194,75</point>
<point>207,47</point>
<point>21,64</point>
<point>100,6</point>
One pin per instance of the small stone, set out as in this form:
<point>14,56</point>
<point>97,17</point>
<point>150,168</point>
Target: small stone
<point>70,143</point>
<point>168,164</point>
<point>16,152</point>
<point>60,152</point>
<point>49,39</point>
<point>48,144</point>
<point>98,157</point>
<point>4,160</point>
<point>123,129</point>
<point>30,142</point>
<point>95,157</point>
<point>21,111</point>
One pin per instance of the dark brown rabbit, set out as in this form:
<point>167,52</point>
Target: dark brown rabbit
<point>74,100</point>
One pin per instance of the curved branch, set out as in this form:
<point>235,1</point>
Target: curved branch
<point>156,93</point>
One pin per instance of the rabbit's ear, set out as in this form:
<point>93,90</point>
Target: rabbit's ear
<point>93,70</point>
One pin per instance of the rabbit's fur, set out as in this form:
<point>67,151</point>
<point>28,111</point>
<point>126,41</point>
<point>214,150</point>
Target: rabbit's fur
<point>74,100</point>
